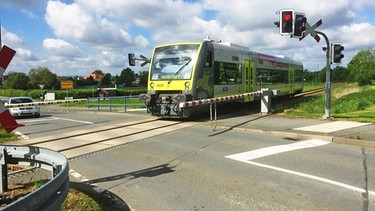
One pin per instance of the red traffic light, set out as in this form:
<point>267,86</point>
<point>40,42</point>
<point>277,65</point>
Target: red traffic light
<point>287,16</point>
<point>286,21</point>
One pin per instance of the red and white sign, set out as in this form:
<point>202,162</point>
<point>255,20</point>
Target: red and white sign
<point>6,119</point>
<point>311,30</point>
<point>6,55</point>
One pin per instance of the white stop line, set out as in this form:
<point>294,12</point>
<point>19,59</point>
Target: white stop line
<point>246,157</point>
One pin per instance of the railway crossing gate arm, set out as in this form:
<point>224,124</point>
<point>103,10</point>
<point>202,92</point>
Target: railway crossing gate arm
<point>264,93</point>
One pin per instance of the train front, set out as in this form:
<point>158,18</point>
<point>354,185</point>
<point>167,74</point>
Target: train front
<point>171,79</point>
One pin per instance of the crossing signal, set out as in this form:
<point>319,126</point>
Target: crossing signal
<point>131,58</point>
<point>336,53</point>
<point>286,22</point>
<point>299,25</point>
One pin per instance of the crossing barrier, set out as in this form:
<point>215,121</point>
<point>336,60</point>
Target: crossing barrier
<point>264,93</point>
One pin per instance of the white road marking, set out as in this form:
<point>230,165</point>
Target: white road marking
<point>77,176</point>
<point>73,120</point>
<point>332,126</point>
<point>56,118</point>
<point>320,179</point>
<point>246,157</point>
<point>21,135</point>
<point>258,153</point>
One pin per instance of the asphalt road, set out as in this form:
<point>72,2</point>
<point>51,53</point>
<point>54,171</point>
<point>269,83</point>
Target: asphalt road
<point>196,168</point>
<point>190,170</point>
<point>59,123</point>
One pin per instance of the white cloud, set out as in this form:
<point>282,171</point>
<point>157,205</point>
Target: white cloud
<point>75,22</point>
<point>61,48</point>
<point>97,34</point>
<point>11,38</point>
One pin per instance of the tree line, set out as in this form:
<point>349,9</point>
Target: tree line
<point>43,78</point>
<point>360,70</point>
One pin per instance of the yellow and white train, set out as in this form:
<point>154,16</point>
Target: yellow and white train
<point>188,71</point>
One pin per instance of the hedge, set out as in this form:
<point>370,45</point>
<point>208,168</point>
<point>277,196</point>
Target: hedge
<point>75,93</point>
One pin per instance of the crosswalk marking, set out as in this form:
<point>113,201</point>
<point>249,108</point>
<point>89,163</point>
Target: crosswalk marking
<point>258,153</point>
<point>247,157</point>
<point>332,126</point>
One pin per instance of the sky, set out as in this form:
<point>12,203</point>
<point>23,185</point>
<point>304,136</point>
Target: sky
<point>77,37</point>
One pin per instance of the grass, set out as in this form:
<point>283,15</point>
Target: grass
<point>349,102</point>
<point>78,200</point>
<point>312,86</point>
<point>6,137</point>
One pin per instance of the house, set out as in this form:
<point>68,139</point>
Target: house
<point>96,77</point>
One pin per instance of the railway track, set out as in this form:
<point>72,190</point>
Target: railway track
<point>84,142</point>
<point>314,92</point>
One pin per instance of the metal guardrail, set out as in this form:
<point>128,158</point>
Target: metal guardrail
<point>52,194</point>
<point>103,101</point>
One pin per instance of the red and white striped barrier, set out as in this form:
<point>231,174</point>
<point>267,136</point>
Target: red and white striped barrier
<point>6,55</point>
<point>6,119</point>
<point>218,99</point>
<point>43,103</point>
<point>9,123</point>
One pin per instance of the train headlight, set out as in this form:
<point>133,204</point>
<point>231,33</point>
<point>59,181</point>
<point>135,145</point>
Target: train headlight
<point>177,98</point>
<point>146,98</point>
<point>187,84</point>
<point>152,85</point>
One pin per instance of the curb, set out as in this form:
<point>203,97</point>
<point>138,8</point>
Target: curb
<point>354,142</point>
<point>300,136</point>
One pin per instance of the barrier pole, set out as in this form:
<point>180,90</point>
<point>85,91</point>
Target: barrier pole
<point>3,171</point>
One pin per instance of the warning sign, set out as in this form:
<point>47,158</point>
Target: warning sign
<point>66,84</point>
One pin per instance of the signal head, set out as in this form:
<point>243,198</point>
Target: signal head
<point>286,21</point>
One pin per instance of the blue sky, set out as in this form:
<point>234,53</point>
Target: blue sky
<point>76,37</point>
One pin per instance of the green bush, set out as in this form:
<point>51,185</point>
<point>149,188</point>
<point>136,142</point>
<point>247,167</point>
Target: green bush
<point>75,93</point>
<point>354,102</point>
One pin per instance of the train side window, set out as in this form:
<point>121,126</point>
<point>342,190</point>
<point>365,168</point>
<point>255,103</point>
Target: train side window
<point>217,78</point>
<point>208,59</point>
<point>227,73</point>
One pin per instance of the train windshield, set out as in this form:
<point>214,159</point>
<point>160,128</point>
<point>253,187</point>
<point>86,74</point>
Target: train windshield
<point>174,62</point>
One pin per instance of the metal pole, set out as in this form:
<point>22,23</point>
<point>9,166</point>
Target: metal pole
<point>3,171</point>
<point>327,113</point>
<point>215,116</point>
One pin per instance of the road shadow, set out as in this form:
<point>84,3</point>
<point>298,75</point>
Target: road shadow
<point>148,172</point>
<point>237,125</point>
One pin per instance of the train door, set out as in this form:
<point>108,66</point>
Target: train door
<point>291,79</point>
<point>249,81</point>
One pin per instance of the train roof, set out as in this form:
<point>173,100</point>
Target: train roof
<point>277,58</point>
<point>244,49</point>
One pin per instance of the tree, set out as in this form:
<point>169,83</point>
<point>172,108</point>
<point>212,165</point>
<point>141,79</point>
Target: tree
<point>127,77</point>
<point>98,72</point>
<point>362,67</point>
<point>143,78</point>
<point>18,80</point>
<point>42,75</point>
<point>90,81</point>
<point>340,74</point>
<point>106,79</point>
